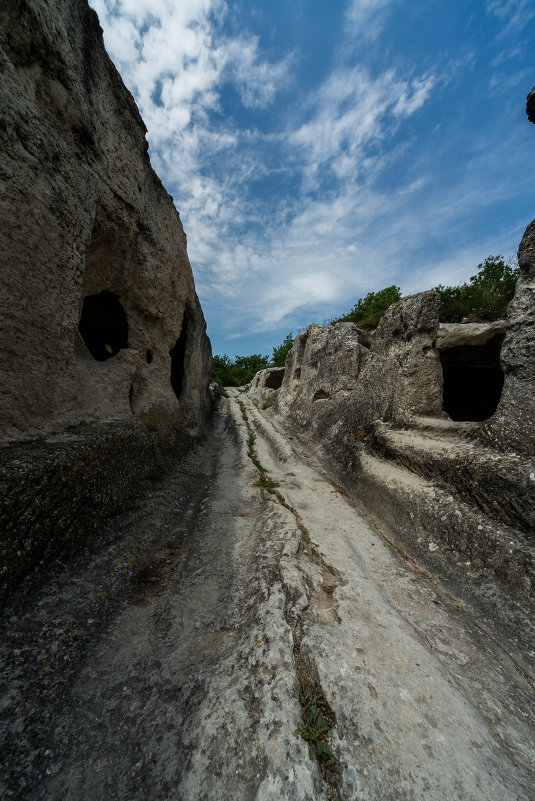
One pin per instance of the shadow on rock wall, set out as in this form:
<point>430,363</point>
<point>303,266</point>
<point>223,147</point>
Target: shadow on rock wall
<point>105,360</point>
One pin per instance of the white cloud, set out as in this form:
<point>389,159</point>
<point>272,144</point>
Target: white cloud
<point>258,81</point>
<point>365,18</point>
<point>353,116</point>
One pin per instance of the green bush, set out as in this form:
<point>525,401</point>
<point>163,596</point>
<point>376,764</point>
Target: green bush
<point>280,353</point>
<point>486,297</point>
<point>236,373</point>
<point>367,311</point>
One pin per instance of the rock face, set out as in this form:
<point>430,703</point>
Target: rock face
<point>267,382</point>
<point>102,332</point>
<point>454,335</point>
<point>98,288</point>
<point>530,106</point>
<point>334,382</point>
<point>406,425</point>
<point>512,428</point>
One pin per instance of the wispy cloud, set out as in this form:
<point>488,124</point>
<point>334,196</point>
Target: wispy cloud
<point>514,14</point>
<point>364,18</point>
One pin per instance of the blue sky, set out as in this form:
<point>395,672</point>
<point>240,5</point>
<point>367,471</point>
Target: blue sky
<point>317,151</point>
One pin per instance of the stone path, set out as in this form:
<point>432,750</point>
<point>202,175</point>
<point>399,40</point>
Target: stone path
<point>176,663</point>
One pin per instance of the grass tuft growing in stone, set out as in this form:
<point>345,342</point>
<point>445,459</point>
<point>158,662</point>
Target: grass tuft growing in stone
<point>318,720</point>
<point>267,484</point>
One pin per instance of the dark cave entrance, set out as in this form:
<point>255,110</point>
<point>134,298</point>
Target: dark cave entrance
<point>178,359</point>
<point>274,378</point>
<point>473,379</point>
<point>103,325</point>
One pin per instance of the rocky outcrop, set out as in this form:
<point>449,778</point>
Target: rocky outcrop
<point>530,106</point>
<point>512,428</point>
<point>417,428</point>
<point>266,382</point>
<point>333,381</point>
<point>102,333</point>
<point>455,335</point>
<point>97,283</point>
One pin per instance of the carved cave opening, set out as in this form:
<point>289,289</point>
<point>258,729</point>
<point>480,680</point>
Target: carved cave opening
<point>473,380</point>
<point>274,379</point>
<point>103,325</point>
<point>178,359</point>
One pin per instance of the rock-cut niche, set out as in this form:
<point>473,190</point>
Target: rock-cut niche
<point>103,325</point>
<point>473,379</point>
<point>178,357</point>
<point>274,378</point>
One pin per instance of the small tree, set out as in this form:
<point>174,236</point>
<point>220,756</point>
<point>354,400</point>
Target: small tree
<point>497,273</point>
<point>280,352</point>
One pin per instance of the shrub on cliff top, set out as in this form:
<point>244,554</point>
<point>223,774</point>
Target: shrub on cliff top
<point>486,297</point>
<point>367,311</point>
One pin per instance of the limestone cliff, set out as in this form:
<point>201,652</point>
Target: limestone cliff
<point>97,282</point>
<point>104,353</point>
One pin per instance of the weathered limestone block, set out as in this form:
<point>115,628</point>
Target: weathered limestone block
<point>266,384</point>
<point>455,335</point>
<point>335,387</point>
<point>83,213</point>
<point>104,356</point>
<point>512,427</point>
<point>320,377</point>
<point>404,377</point>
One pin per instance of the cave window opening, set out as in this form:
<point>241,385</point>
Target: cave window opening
<point>178,359</point>
<point>148,357</point>
<point>103,325</point>
<point>274,379</point>
<point>473,380</point>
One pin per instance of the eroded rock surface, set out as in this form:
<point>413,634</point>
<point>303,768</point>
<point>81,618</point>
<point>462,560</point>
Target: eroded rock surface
<point>267,382</point>
<point>104,354</point>
<point>418,428</point>
<point>175,663</point>
<point>84,217</point>
<point>513,425</point>
<point>454,335</point>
